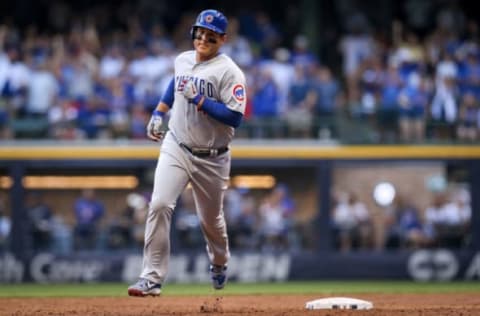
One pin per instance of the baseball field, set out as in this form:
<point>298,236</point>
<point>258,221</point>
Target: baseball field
<point>390,298</point>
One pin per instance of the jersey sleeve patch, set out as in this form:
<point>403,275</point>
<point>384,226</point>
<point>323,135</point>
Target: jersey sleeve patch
<point>238,92</point>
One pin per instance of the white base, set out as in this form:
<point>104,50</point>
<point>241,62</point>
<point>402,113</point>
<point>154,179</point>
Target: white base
<point>338,303</point>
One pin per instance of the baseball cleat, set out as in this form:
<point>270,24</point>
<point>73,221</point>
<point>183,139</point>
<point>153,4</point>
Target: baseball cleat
<point>218,274</point>
<point>144,287</point>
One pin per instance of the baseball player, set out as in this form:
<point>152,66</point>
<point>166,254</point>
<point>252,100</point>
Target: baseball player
<point>206,100</point>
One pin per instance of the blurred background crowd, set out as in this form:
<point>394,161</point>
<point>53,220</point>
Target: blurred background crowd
<point>96,70</point>
<point>345,71</point>
<point>257,221</point>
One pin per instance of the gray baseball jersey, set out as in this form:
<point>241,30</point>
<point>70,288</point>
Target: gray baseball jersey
<point>219,79</point>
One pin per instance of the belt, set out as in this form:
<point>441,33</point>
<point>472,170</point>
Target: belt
<point>205,152</point>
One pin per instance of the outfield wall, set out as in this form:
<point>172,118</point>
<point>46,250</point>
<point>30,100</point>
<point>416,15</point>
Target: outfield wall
<point>323,167</point>
<point>421,265</point>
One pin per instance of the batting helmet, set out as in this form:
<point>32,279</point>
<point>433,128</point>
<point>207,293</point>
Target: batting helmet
<point>211,19</point>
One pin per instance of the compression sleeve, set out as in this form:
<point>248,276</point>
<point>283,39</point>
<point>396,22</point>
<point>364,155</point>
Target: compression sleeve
<point>218,111</point>
<point>168,96</point>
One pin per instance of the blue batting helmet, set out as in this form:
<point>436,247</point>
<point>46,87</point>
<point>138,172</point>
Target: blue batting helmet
<point>213,20</point>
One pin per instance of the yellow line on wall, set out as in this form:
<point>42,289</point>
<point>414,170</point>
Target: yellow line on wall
<point>245,152</point>
<point>359,152</point>
<point>83,152</point>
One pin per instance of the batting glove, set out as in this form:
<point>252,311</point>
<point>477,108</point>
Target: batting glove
<point>154,131</point>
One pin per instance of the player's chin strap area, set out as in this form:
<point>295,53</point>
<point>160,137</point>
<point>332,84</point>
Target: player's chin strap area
<point>205,152</point>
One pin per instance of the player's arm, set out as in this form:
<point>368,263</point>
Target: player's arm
<point>217,110</point>
<point>166,102</point>
<point>154,127</point>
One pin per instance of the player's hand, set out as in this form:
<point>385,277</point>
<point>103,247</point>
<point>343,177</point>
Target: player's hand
<point>154,127</point>
<point>188,89</point>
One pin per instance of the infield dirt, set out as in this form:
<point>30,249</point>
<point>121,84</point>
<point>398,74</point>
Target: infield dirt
<point>451,304</point>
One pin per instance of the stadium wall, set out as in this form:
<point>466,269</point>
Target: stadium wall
<point>17,265</point>
<point>420,265</point>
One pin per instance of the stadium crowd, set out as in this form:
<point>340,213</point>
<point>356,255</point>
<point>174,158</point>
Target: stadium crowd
<point>87,79</point>
<point>263,221</point>
<point>257,220</point>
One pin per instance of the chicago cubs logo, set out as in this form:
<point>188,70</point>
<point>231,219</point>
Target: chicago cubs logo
<point>209,18</point>
<point>239,92</point>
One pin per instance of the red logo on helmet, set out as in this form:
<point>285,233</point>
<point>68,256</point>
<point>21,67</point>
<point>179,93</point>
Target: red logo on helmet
<point>239,92</point>
<point>209,18</point>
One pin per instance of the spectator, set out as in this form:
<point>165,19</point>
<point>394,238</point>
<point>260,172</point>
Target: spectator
<point>77,73</point>
<point>138,120</point>
<point>112,63</point>
<point>413,101</point>
<point>289,210</point>
<point>89,211</point>
<point>265,100</point>
<point>444,105</point>
<point>276,211</point>
<point>371,79</point>
<point>5,226</point>
<point>242,221</point>
<point>469,73</point>
<point>62,241</point>
<point>16,78</point>
<point>468,126</point>
<point>449,219</point>
<point>246,228</point>
<point>159,65</point>
<point>410,55</point>
<point>5,109</point>
<point>282,73</point>
<point>41,222</point>
<point>302,55</point>
<point>327,91</point>
<point>459,212</point>
<point>138,71</point>
<point>62,119</point>
<point>4,58</point>
<point>302,98</point>
<point>388,109</point>
<point>364,223</point>
<point>118,103</point>
<point>436,219</point>
<point>122,229</point>
<point>233,204</point>
<point>355,46</point>
<point>343,222</point>
<point>94,117</point>
<point>352,223</point>
<point>403,226</point>
<point>42,91</point>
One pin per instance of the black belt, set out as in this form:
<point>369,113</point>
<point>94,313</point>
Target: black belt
<point>205,152</point>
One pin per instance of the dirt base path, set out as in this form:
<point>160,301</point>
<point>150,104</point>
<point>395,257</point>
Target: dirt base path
<point>262,305</point>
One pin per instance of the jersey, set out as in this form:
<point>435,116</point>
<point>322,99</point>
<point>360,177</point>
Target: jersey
<point>219,79</point>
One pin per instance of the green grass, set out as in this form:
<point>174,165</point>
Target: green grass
<point>314,287</point>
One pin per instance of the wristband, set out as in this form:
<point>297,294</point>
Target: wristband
<point>158,113</point>
<point>197,99</point>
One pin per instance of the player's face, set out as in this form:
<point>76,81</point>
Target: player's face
<point>207,43</point>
